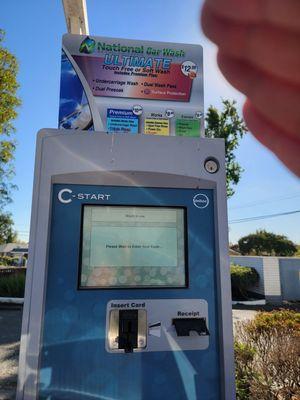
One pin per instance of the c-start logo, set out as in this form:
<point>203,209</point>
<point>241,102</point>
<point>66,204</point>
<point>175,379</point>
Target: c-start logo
<point>63,198</point>
<point>200,200</point>
<point>66,195</point>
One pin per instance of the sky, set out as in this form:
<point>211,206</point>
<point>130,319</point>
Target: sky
<point>34,29</point>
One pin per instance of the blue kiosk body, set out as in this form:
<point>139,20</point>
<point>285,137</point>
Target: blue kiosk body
<point>128,289</point>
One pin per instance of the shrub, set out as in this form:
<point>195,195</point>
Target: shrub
<point>242,279</point>
<point>7,261</point>
<point>12,285</point>
<point>244,355</point>
<point>267,355</point>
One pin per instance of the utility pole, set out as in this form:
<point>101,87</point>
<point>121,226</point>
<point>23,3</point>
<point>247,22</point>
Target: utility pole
<point>76,16</point>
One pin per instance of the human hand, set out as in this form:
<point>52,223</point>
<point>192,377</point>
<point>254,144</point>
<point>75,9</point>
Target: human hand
<point>259,54</point>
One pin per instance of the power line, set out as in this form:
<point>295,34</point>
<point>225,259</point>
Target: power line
<point>267,201</point>
<point>238,221</point>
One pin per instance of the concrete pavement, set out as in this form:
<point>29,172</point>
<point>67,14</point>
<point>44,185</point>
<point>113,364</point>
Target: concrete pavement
<point>10,331</point>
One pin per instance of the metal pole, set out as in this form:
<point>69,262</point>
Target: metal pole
<point>76,16</point>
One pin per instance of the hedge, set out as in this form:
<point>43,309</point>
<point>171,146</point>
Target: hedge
<point>242,279</point>
<point>12,285</point>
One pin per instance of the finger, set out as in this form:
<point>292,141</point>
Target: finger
<point>274,50</point>
<point>286,147</point>
<point>282,13</point>
<point>276,101</point>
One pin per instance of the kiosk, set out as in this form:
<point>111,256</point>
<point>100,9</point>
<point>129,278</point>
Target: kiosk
<point>128,289</point>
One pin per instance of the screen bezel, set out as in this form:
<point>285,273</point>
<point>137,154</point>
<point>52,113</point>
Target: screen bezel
<point>141,287</point>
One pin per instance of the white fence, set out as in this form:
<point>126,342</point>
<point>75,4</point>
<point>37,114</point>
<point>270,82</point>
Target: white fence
<point>279,276</point>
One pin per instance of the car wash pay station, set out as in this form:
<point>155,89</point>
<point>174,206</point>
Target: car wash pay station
<point>128,287</point>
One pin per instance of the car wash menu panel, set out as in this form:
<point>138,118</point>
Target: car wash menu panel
<point>131,86</point>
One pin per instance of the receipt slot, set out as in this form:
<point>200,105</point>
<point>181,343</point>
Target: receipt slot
<point>128,288</point>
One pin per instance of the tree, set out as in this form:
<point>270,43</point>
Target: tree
<point>7,234</point>
<point>8,104</point>
<point>263,243</point>
<point>227,124</point>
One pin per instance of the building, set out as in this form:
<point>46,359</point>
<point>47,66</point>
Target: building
<point>19,250</point>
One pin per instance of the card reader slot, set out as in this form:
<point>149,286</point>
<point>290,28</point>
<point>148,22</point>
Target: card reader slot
<point>128,330</point>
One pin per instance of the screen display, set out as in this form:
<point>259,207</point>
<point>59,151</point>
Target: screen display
<point>133,246</point>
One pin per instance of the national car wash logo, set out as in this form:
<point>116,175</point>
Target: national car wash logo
<point>87,46</point>
<point>200,200</point>
<point>66,196</point>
